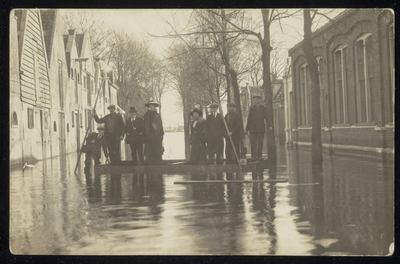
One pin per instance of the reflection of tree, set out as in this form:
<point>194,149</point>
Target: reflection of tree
<point>155,190</point>
<point>115,188</point>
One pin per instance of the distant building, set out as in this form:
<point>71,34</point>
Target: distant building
<point>355,57</point>
<point>54,81</point>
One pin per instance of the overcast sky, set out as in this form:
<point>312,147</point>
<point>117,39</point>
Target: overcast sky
<point>141,22</point>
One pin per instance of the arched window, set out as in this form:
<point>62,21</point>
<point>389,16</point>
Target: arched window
<point>14,121</point>
<point>341,75</point>
<point>305,95</point>
<point>364,77</point>
<point>55,126</point>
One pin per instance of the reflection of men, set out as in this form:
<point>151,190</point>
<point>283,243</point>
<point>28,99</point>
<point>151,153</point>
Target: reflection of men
<point>134,135</point>
<point>215,135</point>
<point>154,133</point>
<point>256,126</point>
<point>198,138</point>
<point>114,133</point>
<point>232,119</point>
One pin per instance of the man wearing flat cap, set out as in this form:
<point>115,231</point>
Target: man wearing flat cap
<point>198,152</point>
<point>134,135</point>
<point>154,133</point>
<point>114,133</point>
<point>256,127</point>
<point>234,124</point>
<point>215,135</point>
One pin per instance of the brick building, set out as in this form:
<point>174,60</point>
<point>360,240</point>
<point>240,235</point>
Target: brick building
<point>355,55</point>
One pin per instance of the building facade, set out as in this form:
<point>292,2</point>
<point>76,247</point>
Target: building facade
<point>54,83</point>
<point>355,55</point>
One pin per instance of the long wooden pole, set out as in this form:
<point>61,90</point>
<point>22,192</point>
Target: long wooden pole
<point>103,79</point>
<point>230,138</point>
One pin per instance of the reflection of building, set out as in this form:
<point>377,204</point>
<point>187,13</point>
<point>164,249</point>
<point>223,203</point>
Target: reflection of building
<point>246,94</point>
<point>355,57</point>
<point>54,81</point>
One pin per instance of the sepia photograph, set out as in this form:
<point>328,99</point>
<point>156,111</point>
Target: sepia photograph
<point>256,132</point>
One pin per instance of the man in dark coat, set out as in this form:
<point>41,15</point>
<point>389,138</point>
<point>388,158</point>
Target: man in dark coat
<point>198,138</point>
<point>154,133</point>
<point>233,121</point>
<point>256,127</point>
<point>215,135</point>
<point>114,133</point>
<point>134,135</point>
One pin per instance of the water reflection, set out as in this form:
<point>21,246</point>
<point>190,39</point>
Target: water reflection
<point>350,211</point>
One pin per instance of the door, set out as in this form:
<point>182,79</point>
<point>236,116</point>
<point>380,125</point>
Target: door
<point>61,120</point>
<point>78,132</point>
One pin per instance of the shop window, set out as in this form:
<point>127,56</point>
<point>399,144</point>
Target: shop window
<point>55,126</point>
<point>30,118</point>
<point>14,121</point>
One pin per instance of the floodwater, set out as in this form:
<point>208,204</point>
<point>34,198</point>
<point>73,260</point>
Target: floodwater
<point>54,211</point>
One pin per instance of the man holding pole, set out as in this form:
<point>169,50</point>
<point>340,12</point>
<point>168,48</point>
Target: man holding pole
<point>114,133</point>
<point>233,122</point>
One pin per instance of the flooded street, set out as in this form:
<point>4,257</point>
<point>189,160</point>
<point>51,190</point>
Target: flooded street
<point>54,211</point>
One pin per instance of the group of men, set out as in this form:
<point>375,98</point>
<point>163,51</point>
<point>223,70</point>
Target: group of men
<point>207,135</point>
<point>139,131</point>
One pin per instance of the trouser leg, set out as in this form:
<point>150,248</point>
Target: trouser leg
<point>139,149</point>
<point>133,152</point>
<point>260,139</point>
<point>219,159</point>
<point>88,161</point>
<point>228,152</point>
<point>253,143</point>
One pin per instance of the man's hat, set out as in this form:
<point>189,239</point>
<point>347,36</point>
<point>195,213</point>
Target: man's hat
<point>111,106</point>
<point>132,109</point>
<point>257,96</point>
<point>151,102</point>
<point>100,127</point>
<point>213,105</point>
<point>231,104</point>
<point>196,111</point>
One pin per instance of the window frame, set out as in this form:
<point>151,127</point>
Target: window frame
<point>341,93</point>
<point>14,119</point>
<point>31,118</point>
<point>367,82</point>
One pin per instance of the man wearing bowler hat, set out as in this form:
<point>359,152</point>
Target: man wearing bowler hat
<point>256,127</point>
<point>198,155</point>
<point>234,124</point>
<point>215,135</point>
<point>114,133</point>
<point>134,135</point>
<point>154,133</point>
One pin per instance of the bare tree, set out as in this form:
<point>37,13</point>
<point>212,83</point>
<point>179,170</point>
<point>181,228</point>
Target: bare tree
<point>84,21</point>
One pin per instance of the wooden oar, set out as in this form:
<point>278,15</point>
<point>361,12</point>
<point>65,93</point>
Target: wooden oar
<point>234,181</point>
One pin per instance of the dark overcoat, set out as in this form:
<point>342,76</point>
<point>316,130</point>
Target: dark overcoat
<point>135,129</point>
<point>154,132</point>
<point>119,126</point>
<point>198,142</point>
<point>256,117</point>
<point>215,134</point>
<point>234,124</point>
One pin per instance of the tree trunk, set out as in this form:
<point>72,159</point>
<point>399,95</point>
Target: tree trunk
<point>236,92</point>
<point>267,88</point>
<point>316,152</point>
<point>225,54</point>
